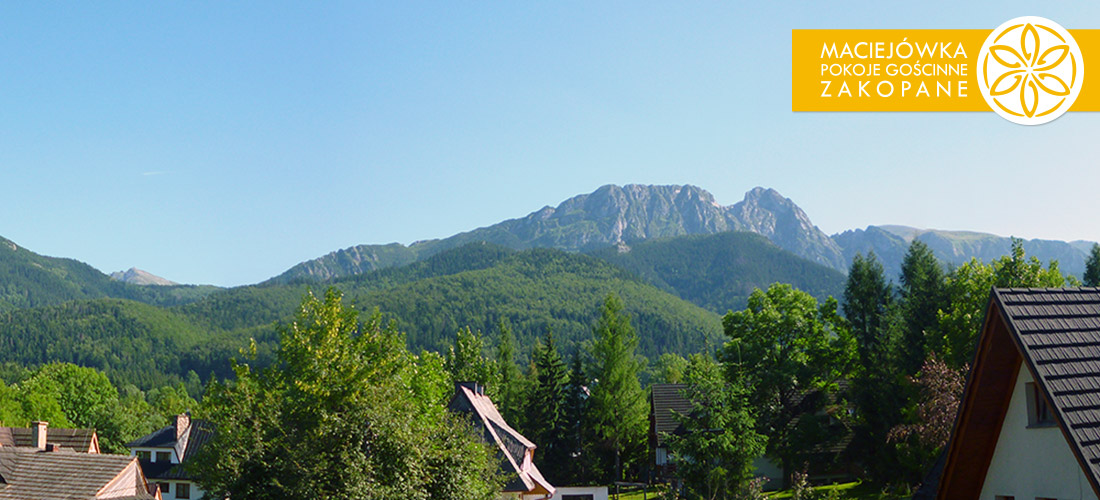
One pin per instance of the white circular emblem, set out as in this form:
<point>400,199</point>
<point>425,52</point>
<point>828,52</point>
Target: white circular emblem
<point>1030,70</point>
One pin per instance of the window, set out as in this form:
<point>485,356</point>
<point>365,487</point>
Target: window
<point>143,455</point>
<point>164,487</point>
<point>164,456</point>
<point>1038,411</point>
<point>183,490</point>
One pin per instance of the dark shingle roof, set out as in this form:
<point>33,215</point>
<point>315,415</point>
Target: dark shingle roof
<point>1058,333</point>
<point>30,474</point>
<point>667,401</point>
<point>198,434</point>
<point>74,439</point>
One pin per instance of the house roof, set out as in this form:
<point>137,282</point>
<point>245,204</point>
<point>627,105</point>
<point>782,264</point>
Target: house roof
<point>516,450</point>
<point>80,440</point>
<point>666,401</point>
<point>1054,333</point>
<point>197,434</point>
<point>32,474</point>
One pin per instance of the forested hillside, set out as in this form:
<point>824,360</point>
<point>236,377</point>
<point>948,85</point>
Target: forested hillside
<point>31,280</point>
<point>476,286</point>
<point>718,272</point>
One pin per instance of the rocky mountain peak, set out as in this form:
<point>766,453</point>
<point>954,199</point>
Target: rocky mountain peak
<point>135,276</point>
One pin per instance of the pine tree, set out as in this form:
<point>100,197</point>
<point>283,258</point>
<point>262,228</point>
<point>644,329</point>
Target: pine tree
<point>1092,267</point>
<point>618,407</point>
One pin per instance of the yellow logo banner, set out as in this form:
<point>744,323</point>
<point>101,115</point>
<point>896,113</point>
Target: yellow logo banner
<point>1029,70</point>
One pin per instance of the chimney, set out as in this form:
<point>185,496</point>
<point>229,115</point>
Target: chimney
<point>474,387</point>
<point>183,421</point>
<point>38,433</point>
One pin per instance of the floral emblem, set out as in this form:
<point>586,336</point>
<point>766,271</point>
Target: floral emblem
<point>1031,70</point>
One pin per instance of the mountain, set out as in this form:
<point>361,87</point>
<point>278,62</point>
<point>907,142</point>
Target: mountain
<point>475,285</point>
<point>718,272</point>
<point>610,216</point>
<point>135,276</point>
<point>890,243</point>
<point>28,279</point>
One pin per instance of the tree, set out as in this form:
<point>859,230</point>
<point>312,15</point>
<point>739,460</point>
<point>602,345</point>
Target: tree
<point>466,361</point>
<point>715,455</point>
<point>922,297</point>
<point>968,288</point>
<point>617,406</point>
<point>670,368</point>
<point>940,392</point>
<point>877,389</point>
<point>510,399</point>
<point>546,422</point>
<point>1092,267</point>
<point>339,415</point>
<point>783,347</point>
<point>579,435</point>
<point>866,300</point>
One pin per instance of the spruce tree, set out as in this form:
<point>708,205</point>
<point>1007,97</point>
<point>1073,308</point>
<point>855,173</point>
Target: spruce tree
<point>546,422</point>
<point>618,409</point>
<point>922,296</point>
<point>1092,267</point>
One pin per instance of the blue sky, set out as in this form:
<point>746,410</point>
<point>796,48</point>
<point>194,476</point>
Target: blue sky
<point>225,142</point>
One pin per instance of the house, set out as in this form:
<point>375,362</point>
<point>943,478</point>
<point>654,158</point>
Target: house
<point>665,402</point>
<point>39,435</point>
<point>164,454</point>
<point>828,462</point>
<point>1028,426</point>
<point>580,493</point>
<point>517,453</point>
<point>49,472</point>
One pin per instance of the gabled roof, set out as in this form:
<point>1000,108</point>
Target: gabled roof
<point>516,450</point>
<point>1054,333</point>
<point>80,440</point>
<point>666,401</point>
<point>32,474</point>
<point>194,437</point>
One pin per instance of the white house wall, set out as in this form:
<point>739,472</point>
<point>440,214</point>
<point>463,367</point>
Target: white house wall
<point>597,492</point>
<point>1032,463</point>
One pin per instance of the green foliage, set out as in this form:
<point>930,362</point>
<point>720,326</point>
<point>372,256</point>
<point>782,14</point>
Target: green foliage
<point>467,362</point>
<point>782,348</point>
<point>922,297</point>
<point>340,416</point>
<point>149,346</point>
<point>714,457</point>
<point>545,419</point>
<point>579,436</point>
<point>510,395</point>
<point>718,272</point>
<point>866,299</point>
<point>670,369</point>
<point>968,288</point>
<point>31,280</point>
<point>1092,267</point>
<point>67,396</point>
<point>876,384</point>
<point>617,409</point>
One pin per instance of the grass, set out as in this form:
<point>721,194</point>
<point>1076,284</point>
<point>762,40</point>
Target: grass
<point>846,491</point>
